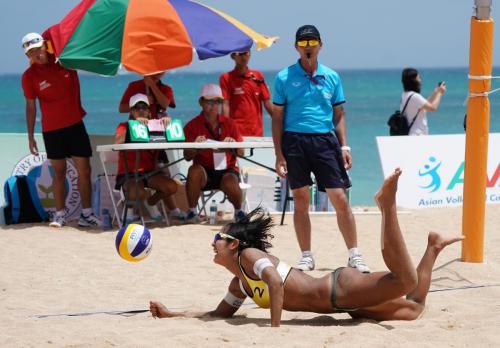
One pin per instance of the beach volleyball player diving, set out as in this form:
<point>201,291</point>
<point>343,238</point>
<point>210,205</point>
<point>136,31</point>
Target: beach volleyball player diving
<point>396,294</point>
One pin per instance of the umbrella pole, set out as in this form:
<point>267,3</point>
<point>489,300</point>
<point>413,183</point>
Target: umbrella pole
<point>476,140</point>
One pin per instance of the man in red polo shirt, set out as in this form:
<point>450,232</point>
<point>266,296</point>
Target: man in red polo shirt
<point>212,169</point>
<point>244,91</point>
<point>64,135</point>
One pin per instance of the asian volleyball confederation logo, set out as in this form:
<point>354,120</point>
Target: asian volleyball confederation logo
<point>39,169</point>
<point>431,170</point>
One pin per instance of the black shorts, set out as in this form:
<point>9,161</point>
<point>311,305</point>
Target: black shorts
<point>214,177</point>
<point>317,153</point>
<point>67,142</point>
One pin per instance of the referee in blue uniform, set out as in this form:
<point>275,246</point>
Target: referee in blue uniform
<point>309,135</point>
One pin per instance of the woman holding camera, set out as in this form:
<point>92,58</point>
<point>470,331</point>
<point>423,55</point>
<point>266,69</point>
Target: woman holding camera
<point>416,110</point>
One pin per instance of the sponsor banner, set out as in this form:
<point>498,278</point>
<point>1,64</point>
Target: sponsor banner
<point>433,169</point>
<point>39,169</point>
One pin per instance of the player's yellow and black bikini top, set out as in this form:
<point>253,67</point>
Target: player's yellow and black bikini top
<point>260,292</point>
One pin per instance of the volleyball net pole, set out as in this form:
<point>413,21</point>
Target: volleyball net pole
<point>477,129</point>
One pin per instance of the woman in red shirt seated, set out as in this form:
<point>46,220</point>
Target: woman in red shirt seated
<point>148,163</point>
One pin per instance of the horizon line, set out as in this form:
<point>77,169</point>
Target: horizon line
<point>179,70</point>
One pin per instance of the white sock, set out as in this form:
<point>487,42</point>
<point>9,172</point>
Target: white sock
<point>353,252</point>
<point>307,253</point>
<point>193,210</point>
<point>60,213</point>
<point>175,211</point>
<point>86,211</point>
<point>152,210</point>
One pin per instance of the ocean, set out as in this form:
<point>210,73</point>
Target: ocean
<point>372,95</point>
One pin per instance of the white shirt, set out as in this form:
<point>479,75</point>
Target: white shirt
<point>416,103</point>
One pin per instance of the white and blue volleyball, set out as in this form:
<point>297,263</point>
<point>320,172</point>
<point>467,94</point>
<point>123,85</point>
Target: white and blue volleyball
<point>134,242</point>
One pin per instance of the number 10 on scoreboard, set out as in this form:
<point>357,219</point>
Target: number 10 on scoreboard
<point>174,131</point>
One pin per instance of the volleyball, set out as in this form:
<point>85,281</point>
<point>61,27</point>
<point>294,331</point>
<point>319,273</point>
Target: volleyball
<point>134,242</point>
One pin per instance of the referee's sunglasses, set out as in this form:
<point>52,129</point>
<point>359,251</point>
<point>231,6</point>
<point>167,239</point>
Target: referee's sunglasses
<point>304,43</point>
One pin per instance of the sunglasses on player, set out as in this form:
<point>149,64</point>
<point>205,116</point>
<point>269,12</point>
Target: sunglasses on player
<point>220,235</point>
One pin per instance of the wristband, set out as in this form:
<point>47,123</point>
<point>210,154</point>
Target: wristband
<point>345,148</point>
<point>233,301</point>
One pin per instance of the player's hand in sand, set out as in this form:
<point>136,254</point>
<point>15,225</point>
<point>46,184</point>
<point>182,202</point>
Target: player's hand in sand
<point>158,310</point>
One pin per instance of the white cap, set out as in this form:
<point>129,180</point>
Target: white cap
<point>138,98</point>
<point>211,91</point>
<point>31,40</point>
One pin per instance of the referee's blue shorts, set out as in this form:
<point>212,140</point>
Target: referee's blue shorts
<point>320,154</point>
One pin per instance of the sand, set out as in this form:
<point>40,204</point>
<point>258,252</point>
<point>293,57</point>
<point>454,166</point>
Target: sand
<point>72,270</point>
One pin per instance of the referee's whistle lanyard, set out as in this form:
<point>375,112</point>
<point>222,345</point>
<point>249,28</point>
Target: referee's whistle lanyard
<point>311,78</point>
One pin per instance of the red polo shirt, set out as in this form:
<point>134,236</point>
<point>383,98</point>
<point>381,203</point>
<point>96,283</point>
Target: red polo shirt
<point>140,87</point>
<point>148,158</point>
<point>245,94</point>
<point>58,92</point>
<point>199,126</point>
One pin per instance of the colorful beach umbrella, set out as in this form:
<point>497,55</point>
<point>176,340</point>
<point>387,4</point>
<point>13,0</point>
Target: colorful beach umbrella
<point>146,36</point>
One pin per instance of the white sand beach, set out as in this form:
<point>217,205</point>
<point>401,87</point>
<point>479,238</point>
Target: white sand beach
<point>71,270</point>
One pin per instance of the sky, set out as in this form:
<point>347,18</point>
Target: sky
<point>356,34</point>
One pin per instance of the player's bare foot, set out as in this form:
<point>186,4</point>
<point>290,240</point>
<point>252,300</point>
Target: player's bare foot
<point>158,310</point>
<point>439,242</point>
<point>386,195</point>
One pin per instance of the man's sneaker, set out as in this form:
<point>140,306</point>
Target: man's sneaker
<point>89,221</point>
<point>240,215</point>
<point>153,212</point>
<point>357,262</point>
<point>306,264</point>
<point>192,218</point>
<point>58,221</point>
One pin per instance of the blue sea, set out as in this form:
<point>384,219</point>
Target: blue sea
<point>372,95</point>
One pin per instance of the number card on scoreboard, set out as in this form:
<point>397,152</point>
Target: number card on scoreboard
<point>138,132</point>
<point>174,131</point>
